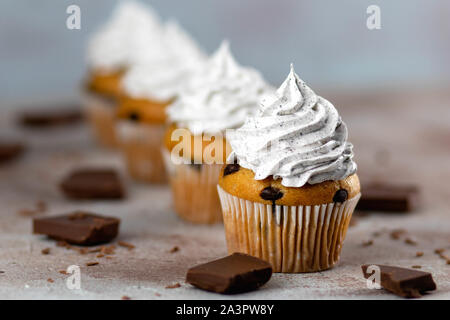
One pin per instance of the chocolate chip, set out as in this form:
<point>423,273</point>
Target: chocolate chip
<point>134,116</point>
<point>340,196</point>
<point>271,193</point>
<point>231,168</point>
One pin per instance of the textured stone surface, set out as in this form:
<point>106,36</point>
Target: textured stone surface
<point>395,138</point>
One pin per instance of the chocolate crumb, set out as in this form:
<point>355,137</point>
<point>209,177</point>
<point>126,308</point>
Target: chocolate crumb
<point>64,272</point>
<point>126,245</point>
<point>174,286</point>
<point>93,263</point>
<point>2,272</point>
<point>367,243</point>
<point>50,280</point>
<point>410,241</point>
<point>397,233</point>
<point>126,298</point>
<point>174,249</point>
<point>109,257</point>
<point>100,255</point>
<point>231,168</point>
<point>45,251</point>
<point>419,254</point>
<point>133,116</point>
<point>417,267</point>
<point>439,251</point>
<point>340,196</point>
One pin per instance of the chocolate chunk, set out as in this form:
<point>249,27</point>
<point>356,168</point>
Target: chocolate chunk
<point>80,228</point>
<point>231,168</point>
<point>340,196</point>
<point>271,193</point>
<point>51,117</point>
<point>404,282</point>
<point>134,116</point>
<point>233,274</point>
<point>93,184</point>
<point>9,151</point>
<point>384,197</point>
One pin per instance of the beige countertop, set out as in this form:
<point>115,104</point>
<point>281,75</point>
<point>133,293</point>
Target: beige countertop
<point>397,137</point>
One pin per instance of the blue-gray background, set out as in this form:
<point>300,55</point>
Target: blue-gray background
<point>326,39</point>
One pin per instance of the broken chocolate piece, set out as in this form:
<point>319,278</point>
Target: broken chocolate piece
<point>10,151</point>
<point>384,197</point>
<point>404,282</point>
<point>233,274</point>
<point>93,184</point>
<point>340,196</point>
<point>231,168</point>
<point>85,229</point>
<point>51,117</point>
<point>271,193</point>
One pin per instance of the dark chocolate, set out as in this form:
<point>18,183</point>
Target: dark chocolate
<point>271,193</point>
<point>233,274</point>
<point>340,196</point>
<point>403,282</point>
<point>93,184</point>
<point>231,168</point>
<point>10,151</point>
<point>80,228</point>
<point>51,117</point>
<point>386,197</point>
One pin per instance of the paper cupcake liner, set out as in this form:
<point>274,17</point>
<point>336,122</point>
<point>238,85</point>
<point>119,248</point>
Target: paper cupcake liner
<point>194,189</point>
<point>291,238</point>
<point>100,113</point>
<point>141,147</point>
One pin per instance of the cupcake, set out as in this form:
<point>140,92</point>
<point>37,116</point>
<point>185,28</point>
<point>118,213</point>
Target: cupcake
<point>289,195</point>
<point>219,96</point>
<point>149,86</point>
<point>109,56</point>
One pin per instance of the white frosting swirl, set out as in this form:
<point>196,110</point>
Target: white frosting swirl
<point>297,136</point>
<point>131,26</point>
<point>160,71</point>
<point>219,96</point>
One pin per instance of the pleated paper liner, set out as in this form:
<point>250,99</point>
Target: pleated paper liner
<point>100,113</point>
<point>141,146</point>
<point>292,238</point>
<point>194,190</point>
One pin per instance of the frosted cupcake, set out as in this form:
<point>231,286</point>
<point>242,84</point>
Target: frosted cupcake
<point>150,85</point>
<point>291,196</point>
<point>219,96</point>
<point>109,56</point>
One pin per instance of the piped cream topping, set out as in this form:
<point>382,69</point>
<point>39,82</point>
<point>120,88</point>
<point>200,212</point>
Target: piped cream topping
<point>131,26</point>
<point>297,136</point>
<point>220,95</point>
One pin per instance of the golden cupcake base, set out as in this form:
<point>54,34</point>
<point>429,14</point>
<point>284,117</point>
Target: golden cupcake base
<point>293,239</point>
<point>194,190</point>
<point>100,113</point>
<point>141,147</point>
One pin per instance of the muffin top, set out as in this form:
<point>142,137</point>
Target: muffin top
<point>131,26</point>
<point>297,136</point>
<point>160,71</point>
<point>219,95</point>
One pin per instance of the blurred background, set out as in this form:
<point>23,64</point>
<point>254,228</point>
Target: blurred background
<point>328,41</point>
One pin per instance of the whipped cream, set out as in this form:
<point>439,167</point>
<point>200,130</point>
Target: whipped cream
<point>219,96</point>
<point>160,70</point>
<point>131,26</point>
<point>297,136</point>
